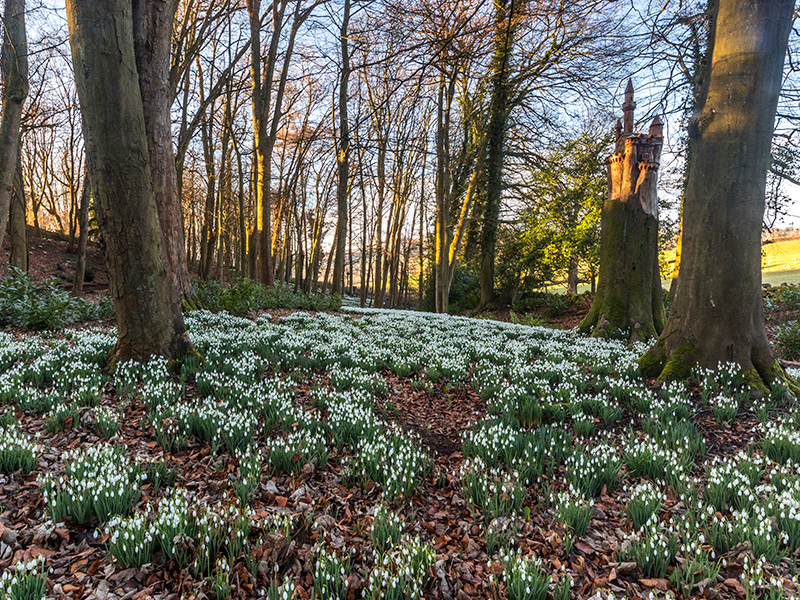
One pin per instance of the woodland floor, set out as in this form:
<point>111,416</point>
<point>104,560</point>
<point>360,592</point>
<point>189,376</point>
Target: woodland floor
<point>51,258</point>
<point>327,505</point>
<point>433,408</point>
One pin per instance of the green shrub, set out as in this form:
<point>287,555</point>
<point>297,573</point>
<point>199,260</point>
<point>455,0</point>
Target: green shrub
<point>529,320</point>
<point>465,290</point>
<point>44,305</point>
<point>789,296</point>
<point>246,296</point>
<point>788,339</point>
<point>557,305</point>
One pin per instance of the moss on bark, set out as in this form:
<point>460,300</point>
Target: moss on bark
<point>718,305</point>
<point>678,365</point>
<point>652,362</point>
<point>629,299</point>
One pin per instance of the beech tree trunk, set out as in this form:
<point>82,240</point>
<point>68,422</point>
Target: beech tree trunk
<point>14,65</point>
<point>148,312</point>
<point>267,113</point>
<point>443,273</point>
<point>717,314</point>
<point>152,30</point>
<point>629,300</point>
<point>377,293</point>
<point>17,224</point>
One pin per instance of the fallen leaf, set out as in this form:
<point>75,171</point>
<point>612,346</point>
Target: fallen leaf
<point>660,584</point>
<point>735,585</point>
<point>583,547</point>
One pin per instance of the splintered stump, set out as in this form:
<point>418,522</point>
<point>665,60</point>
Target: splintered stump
<point>628,303</point>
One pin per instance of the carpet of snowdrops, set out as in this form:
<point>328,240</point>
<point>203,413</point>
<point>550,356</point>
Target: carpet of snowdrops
<point>387,454</point>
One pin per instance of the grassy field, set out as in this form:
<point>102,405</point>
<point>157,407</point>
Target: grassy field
<point>781,262</point>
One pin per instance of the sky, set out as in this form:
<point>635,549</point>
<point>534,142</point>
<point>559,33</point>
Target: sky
<point>52,14</point>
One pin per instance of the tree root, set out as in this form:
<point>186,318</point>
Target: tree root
<point>678,364</point>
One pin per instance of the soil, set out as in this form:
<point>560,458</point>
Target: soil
<point>52,257</point>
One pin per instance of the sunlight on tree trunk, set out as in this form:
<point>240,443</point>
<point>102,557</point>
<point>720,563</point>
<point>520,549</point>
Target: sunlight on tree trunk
<point>342,159</point>
<point>17,224</point>
<point>83,237</point>
<point>628,303</point>
<point>718,312</point>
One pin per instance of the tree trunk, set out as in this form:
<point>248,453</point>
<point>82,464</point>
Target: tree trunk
<point>362,293</point>
<point>265,125</point>
<point>14,65</point>
<point>83,237</point>
<point>343,160</point>
<point>225,187</point>
<point>628,303</point>
<point>698,77</point>
<point>330,262</point>
<point>208,240</point>
<point>677,266</point>
<point>572,276</point>
<point>442,272</point>
<point>378,292</point>
<point>152,30</point>
<point>495,150</point>
<point>241,216</point>
<point>148,313</point>
<point>717,314</point>
<point>422,231</point>
<point>17,225</point>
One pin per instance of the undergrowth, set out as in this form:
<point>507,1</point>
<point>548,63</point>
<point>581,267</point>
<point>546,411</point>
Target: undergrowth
<point>44,305</point>
<point>246,296</point>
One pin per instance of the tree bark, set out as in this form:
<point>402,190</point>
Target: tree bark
<point>717,314</point>
<point>495,151</point>
<point>17,224</point>
<point>362,295</point>
<point>629,303</point>
<point>83,236</point>
<point>265,124</point>
<point>572,276</point>
<point>14,65</point>
<point>152,32</point>
<point>208,240</point>
<point>381,159</point>
<point>442,271</point>
<point>148,313</point>
<point>343,159</point>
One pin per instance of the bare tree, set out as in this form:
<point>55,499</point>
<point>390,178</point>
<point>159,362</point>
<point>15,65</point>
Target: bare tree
<point>14,65</point>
